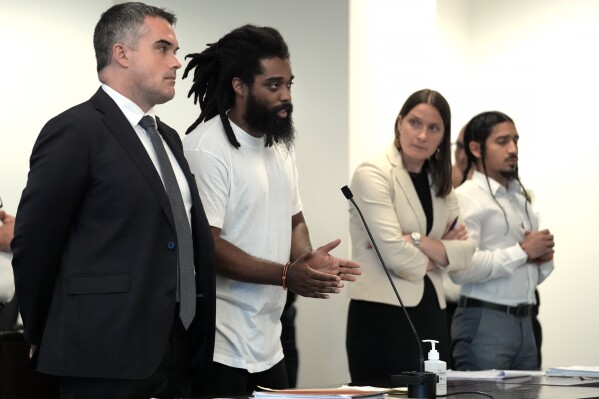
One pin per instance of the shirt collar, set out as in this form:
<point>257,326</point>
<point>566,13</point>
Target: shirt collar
<point>246,138</point>
<point>480,179</point>
<point>132,111</point>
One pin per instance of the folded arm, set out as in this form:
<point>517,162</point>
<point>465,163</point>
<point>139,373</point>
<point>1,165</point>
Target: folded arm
<point>487,264</point>
<point>372,189</point>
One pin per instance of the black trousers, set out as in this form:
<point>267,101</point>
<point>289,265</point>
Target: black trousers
<point>9,313</point>
<point>288,339</point>
<point>381,343</point>
<point>172,378</point>
<point>231,381</point>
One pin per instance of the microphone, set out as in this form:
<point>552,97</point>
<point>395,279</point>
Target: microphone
<point>421,384</point>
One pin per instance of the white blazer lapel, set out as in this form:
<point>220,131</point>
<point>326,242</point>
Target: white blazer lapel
<point>403,184</point>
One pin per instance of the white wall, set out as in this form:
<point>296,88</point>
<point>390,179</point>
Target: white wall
<point>50,66</point>
<point>390,57</point>
<point>533,59</point>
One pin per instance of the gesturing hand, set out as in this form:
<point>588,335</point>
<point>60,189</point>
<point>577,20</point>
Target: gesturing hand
<point>322,261</point>
<point>318,274</point>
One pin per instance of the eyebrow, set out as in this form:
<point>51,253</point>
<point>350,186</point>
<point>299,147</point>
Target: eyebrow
<point>165,42</point>
<point>422,118</point>
<point>508,135</point>
<point>278,79</point>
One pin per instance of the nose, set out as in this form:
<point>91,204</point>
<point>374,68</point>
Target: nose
<point>421,135</point>
<point>177,63</point>
<point>286,94</point>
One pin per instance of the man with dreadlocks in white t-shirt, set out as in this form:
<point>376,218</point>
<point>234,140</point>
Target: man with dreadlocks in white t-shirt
<point>241,152</point>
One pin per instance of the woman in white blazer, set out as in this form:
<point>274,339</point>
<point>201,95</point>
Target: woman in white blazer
<point>406,197</point>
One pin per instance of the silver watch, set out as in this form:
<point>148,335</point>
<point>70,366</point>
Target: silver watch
<point>416,238</point>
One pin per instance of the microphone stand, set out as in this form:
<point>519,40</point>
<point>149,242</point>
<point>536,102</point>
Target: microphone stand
<point>421,384</point>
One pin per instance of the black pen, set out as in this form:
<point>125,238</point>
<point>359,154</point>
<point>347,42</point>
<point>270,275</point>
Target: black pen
<point>455,221</point>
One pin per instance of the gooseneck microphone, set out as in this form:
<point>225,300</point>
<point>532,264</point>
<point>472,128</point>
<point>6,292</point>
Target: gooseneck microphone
<point>421,384</point>
<point>348,194</point>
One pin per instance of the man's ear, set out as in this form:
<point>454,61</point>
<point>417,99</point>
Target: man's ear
<point>475,149</point>
<point>239,87</point>
<point>120,54</point>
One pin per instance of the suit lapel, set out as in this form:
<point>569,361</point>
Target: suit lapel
<point>404,182</point>
<point>120,127</point>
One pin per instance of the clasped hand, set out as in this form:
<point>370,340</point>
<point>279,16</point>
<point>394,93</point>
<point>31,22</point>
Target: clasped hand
<point>319,274</point>
<point>538,245</point>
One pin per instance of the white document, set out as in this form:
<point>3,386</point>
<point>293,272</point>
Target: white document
<point>489,374</point>
<point>574,371</point>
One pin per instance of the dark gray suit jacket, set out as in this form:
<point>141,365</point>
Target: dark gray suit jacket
<point>94,260</point>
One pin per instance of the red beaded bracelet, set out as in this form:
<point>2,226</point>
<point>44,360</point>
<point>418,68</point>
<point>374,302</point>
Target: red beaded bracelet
<point>284,277</point>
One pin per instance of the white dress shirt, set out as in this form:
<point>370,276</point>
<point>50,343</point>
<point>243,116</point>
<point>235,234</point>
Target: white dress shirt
<point>134,114</point>
<point>500,272</point>
<point>7,280</point>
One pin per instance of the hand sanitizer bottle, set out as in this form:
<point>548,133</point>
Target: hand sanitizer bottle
<point>436,366</point>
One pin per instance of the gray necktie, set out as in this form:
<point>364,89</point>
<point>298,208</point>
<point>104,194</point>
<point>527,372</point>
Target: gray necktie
<point>186,292</point>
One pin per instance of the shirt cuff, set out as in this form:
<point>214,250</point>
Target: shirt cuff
<point>516,253</point>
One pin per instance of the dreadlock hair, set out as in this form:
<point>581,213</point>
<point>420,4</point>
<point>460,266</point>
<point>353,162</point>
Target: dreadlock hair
<point>237,54</point>
<point>478,129</point>
<point>440,163</point>
<point>122,23</point>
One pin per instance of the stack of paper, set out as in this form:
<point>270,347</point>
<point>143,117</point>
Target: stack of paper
<point>574,371</point>
<point>324,393</point>
<point>487,374</point>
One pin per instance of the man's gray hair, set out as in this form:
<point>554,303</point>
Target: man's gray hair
<point>122,23</point>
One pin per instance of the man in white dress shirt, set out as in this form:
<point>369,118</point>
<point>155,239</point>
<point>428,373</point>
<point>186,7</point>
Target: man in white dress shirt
<point>492,326</point>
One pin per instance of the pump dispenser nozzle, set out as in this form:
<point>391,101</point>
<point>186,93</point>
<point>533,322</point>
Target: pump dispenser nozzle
<point>433,354</point>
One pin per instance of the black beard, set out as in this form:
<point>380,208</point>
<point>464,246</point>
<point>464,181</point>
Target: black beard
<point>510,174</point>
<point>266,121</point>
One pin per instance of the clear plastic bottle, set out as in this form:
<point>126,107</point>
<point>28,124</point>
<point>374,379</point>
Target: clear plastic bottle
<point>439,367</point>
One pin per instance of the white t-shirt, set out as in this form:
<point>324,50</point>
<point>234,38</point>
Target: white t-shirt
<point>7,280</point>
<point>251,194</point>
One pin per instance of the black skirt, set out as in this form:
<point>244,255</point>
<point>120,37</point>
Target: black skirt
<point>380,341</point>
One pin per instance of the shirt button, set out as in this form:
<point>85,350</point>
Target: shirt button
<point>170,245</point>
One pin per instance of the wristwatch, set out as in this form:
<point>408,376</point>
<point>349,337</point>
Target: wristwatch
<point>416,238</point>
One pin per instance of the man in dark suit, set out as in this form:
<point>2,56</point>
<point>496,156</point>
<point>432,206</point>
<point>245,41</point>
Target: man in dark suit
<point>99,285</point>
